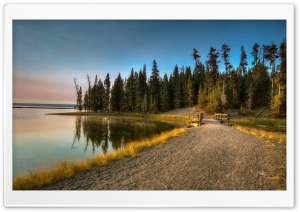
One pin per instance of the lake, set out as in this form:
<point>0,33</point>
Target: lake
<point>40,140</point>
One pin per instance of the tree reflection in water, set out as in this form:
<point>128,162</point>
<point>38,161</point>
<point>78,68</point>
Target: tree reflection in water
<point>102,132</point>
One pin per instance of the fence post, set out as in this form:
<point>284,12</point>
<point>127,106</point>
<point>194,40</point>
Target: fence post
<point>228,118</point>
<point>201,118</point>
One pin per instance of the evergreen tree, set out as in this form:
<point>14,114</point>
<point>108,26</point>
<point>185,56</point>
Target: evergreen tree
<point>249,91</point>
<point>86,101</point>
<point>212,64</point>
<point>100,93</point>
<point>117,94</point>
<point>196,56</point>
<point>182,90</point>
<point>154,88</point>
<point>107,93</point>
<point>241,73</point>
<point>89,95</point>
<point>78,96</point>
<point>225,56</point>
<point>261,85</point>
<point>201,97</point>
<point>278,105</point>
<point>255,54</point>
<point>131,91</point>
<point>176,89</point>
<point>190,92</point>
<point>94,106</point>
<point>165,101</point>
<point>271,55</point>
<point>234,95</point>
<point>214,100</point>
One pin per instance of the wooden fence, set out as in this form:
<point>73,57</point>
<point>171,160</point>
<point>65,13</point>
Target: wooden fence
<point>221,116</point>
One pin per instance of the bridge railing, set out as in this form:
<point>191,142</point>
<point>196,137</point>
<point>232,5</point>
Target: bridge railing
<point>221,116</point>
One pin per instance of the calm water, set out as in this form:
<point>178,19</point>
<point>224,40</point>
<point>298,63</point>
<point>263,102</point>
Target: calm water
<point>40,140</point>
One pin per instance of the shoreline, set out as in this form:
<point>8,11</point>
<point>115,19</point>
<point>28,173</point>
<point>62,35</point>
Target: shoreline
<point>209,157</point>
<point>195,160</point>
<point>41,107</point>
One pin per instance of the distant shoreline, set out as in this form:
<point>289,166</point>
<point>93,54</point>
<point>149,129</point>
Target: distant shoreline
<point>43,106</point>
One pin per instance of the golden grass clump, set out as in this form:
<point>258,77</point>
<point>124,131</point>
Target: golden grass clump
<point>277,136</point>
<point>66,169</point>
<point>170,118</point>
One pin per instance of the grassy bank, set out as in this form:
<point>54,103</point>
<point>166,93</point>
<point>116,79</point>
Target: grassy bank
<point>272,129</point>
<point>270,125</point>
<point>65,169</point>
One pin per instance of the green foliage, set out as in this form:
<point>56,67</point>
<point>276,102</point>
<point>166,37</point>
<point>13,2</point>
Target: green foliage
<point>214,99</point>
<point>165,100</point>
<point>117,94</point>
<point>107,92</point>
<point>214,91</point>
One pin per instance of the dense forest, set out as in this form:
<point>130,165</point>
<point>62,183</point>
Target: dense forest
<point>244,88</point>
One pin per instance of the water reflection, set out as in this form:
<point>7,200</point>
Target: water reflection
<point>102,132</point>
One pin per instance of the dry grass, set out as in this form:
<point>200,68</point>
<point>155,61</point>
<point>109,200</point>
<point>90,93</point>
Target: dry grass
<point>277,136</point>
<point>170,118</point>
<point>66,169</point>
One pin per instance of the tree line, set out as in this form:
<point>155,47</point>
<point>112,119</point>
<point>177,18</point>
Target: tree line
<point>246,87</point>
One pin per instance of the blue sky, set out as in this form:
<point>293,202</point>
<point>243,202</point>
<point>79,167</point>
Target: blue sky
<point>47,55</point>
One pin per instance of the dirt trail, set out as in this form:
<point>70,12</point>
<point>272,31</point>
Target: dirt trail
<point>210,157</point>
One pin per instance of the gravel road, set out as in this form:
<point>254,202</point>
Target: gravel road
<point>210,157</point>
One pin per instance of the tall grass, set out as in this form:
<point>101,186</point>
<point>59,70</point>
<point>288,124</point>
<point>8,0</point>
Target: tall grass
<point>277,136</point>
<point>272,129</point>
<point>35,180</point>
<point>271,125</point>
<point>169,118</point>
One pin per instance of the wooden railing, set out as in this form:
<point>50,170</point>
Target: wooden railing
<point>200,118</point>
<point>221,116</point>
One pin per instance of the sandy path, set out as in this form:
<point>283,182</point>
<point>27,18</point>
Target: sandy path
<point>210,157</point>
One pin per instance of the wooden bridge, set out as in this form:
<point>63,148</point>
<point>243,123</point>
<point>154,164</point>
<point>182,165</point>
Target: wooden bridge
<point>221,116</point>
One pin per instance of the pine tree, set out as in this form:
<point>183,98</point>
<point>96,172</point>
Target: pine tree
<point>271,55</point>
<point>131,91</point>
<point>89,95</point>
<point>214,100</point>
<point>212,64</point>
<point>225,56</point>
<point>196,56</point>
<point>117,94</point>
<point>241,73</point>
<point>278,103</point>
<point>202,97</point>
<point>100,93</point>
<point>176,89</point>
<point>255,54</point>
<point>234,95</point>
<point>165,100</point>
<point>78,96</point>
<point>261,82</point>
<point>86,101</point>
<point>107,93</point>
<point>249,91</point>
<point>190,92</point>
<point>154,88</point>
<point>94,95</point>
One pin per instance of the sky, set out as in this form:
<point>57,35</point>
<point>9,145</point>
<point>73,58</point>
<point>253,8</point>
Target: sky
<point>49,54</point>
